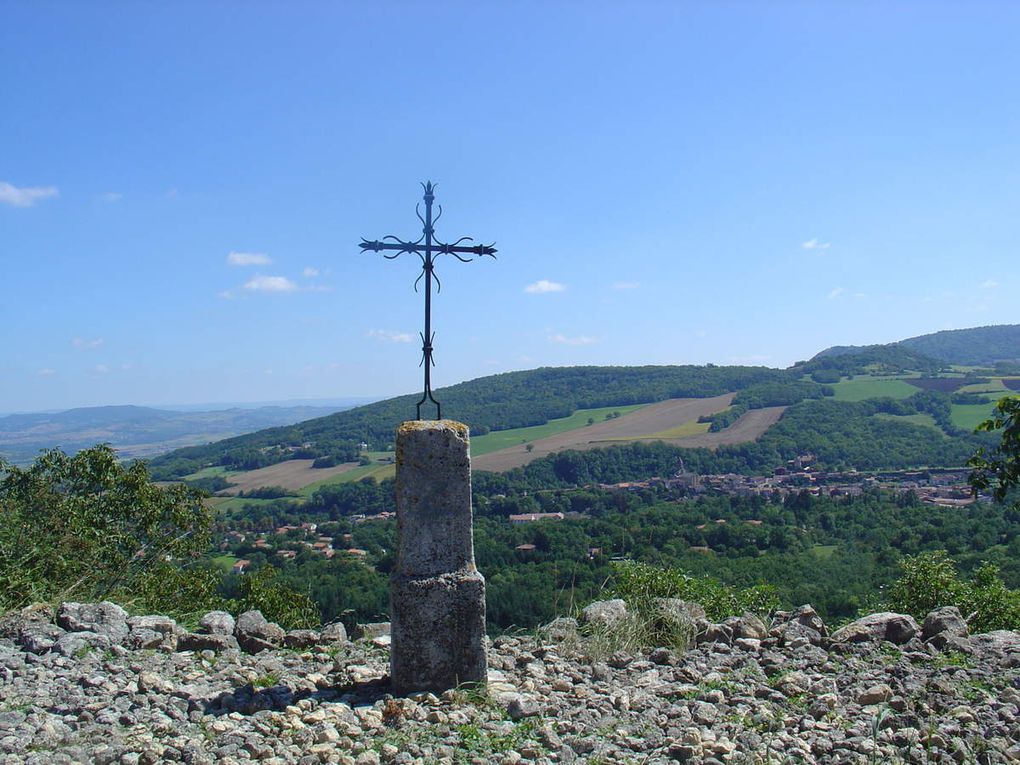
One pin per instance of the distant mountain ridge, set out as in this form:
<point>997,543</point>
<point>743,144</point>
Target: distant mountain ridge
<point>969,347</point>
<point>138,431</point>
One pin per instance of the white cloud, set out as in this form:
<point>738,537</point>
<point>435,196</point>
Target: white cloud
<point>248,259</point>
<point>225,295</point>
<point>270,284</point>
<point>390,335</point>
<point>100,369</point>
<point>989,284</point>
<point>81,344</point>
<point>25,196</point>
<point>111,196</point>
<point>815,244</point>
<point>46,372</point>
<point>544,285</point>
<point>626,285</point>
<point>579,340</point>
<point>836,292</point>
<point>310,272</point>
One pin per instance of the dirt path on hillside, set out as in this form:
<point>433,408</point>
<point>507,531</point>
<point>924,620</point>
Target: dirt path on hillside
<point>635,425</point>
<point>291,475</point>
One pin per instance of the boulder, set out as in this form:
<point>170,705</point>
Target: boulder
<point>794,633</point>
<point>39,637</point>
<point>11,624</point>
<point>337,632</point>
<point>144,638</point>
<point>520,707</point>
<point>942,624</point>
<point>875,694</point>
<point>805,616</point>
<point>560,629</point>
<point>194,641</point>
<point>73,645</point>
<point>713,633</point>
<point>217,623</point>
<point>162,624</point>
<point>747,626</point>
<point>254,633</point>
<point>896,628</point>
<point>106,619</point>
<point>301,638</point>
<point>604,613</point>
<point>1000,647</point>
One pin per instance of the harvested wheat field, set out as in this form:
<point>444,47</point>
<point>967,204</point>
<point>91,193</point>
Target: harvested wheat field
<point>749,427</point>
<point>653,419</point>
<point>291,475</point>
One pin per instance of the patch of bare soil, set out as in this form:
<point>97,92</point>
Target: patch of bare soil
<point>291,475</point>
<point>635,425</point>
<point>749,427</point>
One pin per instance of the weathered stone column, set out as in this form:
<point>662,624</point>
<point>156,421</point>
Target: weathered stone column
<point>437,596</point>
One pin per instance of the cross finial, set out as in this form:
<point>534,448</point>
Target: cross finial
<point>425,248</point>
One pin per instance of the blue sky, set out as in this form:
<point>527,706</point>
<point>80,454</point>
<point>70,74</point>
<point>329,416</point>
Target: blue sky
<point>183,187</point>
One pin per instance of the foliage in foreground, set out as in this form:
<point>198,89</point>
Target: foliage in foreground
<point>930,580</point>
<point>999,470</point>
<point>651,622</point>
<point>640,584</point>
<point>88,528</point>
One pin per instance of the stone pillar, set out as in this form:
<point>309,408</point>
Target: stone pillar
<point>437,596</point>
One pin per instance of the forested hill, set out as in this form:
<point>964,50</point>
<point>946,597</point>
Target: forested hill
<point>497,402</point>
<point>980,345</point>
<point>972,347</point>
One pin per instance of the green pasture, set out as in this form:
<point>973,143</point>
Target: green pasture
<point>227,504</point>
<point>502,439</point>
<point>864,387</point>
<point>208,472</point>
<point>916,419</point>
<point>376,470</point>
<point>224,562</point>
<point>994,385</point>
<point>969,416</point>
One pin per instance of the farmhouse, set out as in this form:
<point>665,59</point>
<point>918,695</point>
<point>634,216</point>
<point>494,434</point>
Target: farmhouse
<point>532,517</point>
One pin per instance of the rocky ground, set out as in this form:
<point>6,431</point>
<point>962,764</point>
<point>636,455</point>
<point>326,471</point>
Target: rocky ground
<point>89,684</point>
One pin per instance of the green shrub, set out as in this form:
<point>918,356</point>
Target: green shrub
<point>652,623</point>
<point>263,590</point>
<point>930,580</point>
<point>640,584</point>
<point>90,528</point>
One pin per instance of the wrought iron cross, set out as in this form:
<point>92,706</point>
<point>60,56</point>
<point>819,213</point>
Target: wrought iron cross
<point>426,248</point>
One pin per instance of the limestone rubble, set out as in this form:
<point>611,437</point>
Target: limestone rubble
<point>87,683</point>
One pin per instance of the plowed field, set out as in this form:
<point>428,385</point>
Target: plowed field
<point>292,475</point>
<point>630,427</point>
